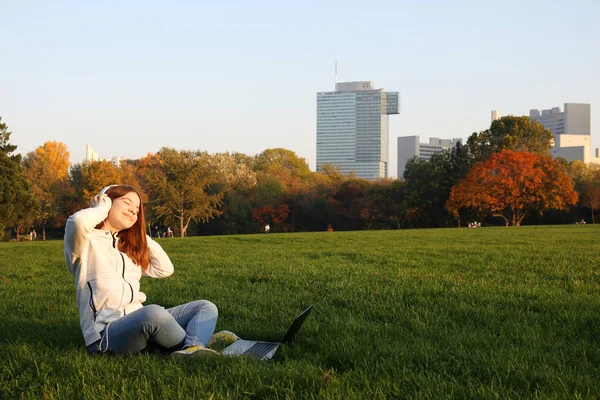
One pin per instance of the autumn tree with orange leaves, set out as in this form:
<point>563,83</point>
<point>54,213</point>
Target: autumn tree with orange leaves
<point>47,168</point>
<point>510,184</point>
<point>88,178</point>
<point>280,171</point>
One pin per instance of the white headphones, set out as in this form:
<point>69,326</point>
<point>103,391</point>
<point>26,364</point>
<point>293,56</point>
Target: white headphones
<point>103,191</point>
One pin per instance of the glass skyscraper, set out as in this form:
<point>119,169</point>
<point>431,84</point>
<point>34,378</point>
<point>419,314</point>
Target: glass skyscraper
<point>352,128</point>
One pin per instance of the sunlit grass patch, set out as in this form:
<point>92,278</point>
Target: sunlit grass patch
<point>467,313</point>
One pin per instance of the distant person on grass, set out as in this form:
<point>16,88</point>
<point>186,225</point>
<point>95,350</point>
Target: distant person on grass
<point>107,251</point>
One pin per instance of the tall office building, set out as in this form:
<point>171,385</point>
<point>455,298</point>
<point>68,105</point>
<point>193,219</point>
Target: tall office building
<point>571,129</point>
<point>352,128</point>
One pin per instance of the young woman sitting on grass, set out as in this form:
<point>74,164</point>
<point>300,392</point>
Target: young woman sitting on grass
<point>107,251</point>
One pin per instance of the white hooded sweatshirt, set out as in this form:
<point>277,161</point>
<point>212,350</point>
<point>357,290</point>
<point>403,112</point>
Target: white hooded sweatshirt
<point>107,281</point>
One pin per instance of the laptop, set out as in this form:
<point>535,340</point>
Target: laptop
<point>266,350</point>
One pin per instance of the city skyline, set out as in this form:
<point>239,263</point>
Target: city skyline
<point>128,79</point>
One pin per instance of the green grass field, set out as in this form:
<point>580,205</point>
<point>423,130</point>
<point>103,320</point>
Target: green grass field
<point>441,313</point>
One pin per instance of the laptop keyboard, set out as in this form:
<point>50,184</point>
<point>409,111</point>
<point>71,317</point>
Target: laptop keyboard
<point>259,350</point>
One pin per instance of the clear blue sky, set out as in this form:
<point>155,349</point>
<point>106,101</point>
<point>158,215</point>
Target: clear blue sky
<point>129,77</point>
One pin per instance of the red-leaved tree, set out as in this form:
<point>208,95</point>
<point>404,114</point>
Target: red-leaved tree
<point>270,214</point>
<point>510,183</point>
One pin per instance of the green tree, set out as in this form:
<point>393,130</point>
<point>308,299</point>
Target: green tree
<point>180,186</point>
<point>237,180</point>
<point>352,205</point>
<point>319,209</point>
<point>273,161</point>
<point>17,203</point>
<point>510,133</point>
<point>428,186</point>
<point>422,198</point>
<point>269,191</point>
<point>234,171</point>
<point>268,197</point>
<point>590,194</point>
<point>459,163</point>
<point>383,200</point>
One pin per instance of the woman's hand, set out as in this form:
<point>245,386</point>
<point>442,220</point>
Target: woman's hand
<point>97,199</point>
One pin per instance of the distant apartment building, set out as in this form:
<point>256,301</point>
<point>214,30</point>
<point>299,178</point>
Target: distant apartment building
<point>352,128</point>
<point>91,155</point>
<point>495,115</point>
<point>574,120</point>
<point>410,146</point>
<point>571,129</point>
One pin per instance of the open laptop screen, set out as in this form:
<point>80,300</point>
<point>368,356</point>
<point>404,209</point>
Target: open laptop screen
<point>296,325</point>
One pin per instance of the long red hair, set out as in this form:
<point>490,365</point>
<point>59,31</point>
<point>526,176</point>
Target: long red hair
<point>132,241</point>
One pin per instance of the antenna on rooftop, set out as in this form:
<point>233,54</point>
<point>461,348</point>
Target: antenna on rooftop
<point>335,83</point>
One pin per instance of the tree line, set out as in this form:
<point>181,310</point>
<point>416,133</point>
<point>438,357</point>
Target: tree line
<point>503,175</point>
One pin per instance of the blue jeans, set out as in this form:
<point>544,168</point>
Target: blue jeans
<point>178,327</point>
